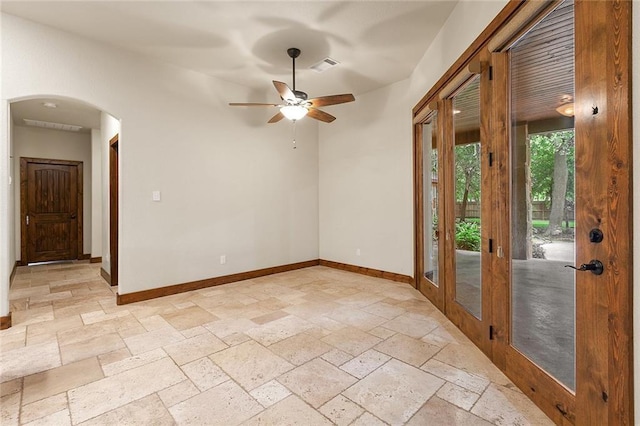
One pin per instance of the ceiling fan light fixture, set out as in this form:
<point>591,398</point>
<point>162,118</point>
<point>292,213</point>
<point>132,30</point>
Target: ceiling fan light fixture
<point>294,112</point>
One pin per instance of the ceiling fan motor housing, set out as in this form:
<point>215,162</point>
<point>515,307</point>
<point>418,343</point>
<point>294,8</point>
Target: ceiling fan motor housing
<point>293,52</point>
<point>300,95</point>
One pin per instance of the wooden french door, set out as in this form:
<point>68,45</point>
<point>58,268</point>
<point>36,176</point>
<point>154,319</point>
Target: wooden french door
<point>429,228</point>
<point>565,332</point>
<point>51,205</point>
<point>536,87</point>
<point>467,225</point>
<point>453,235</point>
<point>555,111</point>
<point>604,303</point>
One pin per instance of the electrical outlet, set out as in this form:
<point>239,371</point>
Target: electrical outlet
<point>358,252</point>
<point>223,259</point>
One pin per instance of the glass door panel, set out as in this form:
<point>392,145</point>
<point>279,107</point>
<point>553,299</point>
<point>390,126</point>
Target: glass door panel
<point>542,196</point>
<point>467,184</point>
<point>430,199</point>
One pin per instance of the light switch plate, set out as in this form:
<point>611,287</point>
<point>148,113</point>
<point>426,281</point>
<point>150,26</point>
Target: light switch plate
<point>155,195</point>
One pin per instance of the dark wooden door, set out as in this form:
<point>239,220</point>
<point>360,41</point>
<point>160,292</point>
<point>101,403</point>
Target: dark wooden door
<point>113,209</point>
<point>52,210</point>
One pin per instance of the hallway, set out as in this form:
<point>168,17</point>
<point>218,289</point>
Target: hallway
<point>313,346</point>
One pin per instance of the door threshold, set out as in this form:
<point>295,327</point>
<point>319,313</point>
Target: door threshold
<point>52,262</point>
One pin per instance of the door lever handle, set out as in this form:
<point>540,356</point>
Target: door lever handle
<point>595,266</point>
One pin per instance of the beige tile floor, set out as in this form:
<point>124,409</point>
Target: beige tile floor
<point>310,347</point>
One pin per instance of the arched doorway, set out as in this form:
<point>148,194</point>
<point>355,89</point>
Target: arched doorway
<point>65,135</point>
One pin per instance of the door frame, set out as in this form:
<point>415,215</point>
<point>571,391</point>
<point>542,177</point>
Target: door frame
<point>603,36</point>
<point>604,373</point>
<point>556,400</point>
<point>477,329</point>
<point>434,292</point>
<point>113,209</point>
<point>24,161</point>
<point>444,294</point>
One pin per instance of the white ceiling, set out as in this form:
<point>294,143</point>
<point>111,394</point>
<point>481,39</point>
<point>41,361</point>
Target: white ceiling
<point>67,111</point>
<point>376,42</point>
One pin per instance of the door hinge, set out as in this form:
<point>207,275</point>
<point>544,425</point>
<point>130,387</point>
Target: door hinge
<point>491,159</point>
<point>490,245</point>
<point>490,73</point>
<point>491,332</point>
<point>27,220</point>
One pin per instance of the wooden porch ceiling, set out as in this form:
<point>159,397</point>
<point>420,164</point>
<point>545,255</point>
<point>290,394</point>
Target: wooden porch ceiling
<point>542,76</point>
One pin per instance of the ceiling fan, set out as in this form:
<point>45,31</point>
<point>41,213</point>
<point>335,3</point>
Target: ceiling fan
<point>296,104</point>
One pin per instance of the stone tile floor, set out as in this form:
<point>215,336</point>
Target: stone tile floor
<point>310,347</point>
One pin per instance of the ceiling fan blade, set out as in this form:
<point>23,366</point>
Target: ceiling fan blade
<point>279,116</point>
<point>250,104</point>
<point>320,115</point>
<point>284,91</point>
<point>332,100</point>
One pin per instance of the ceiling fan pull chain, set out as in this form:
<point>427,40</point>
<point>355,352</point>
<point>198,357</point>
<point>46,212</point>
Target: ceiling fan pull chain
<point>294,134</point>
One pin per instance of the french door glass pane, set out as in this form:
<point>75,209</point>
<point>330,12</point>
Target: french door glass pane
<point>467,150</point>
<point>430,199</point>
<point>542,195</point>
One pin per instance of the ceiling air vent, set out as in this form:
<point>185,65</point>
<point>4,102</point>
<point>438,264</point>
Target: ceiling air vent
<point>324,64</point>
<point>54,126</point>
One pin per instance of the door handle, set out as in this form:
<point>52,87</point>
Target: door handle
<point>595,266</point>
<point>73,215</point>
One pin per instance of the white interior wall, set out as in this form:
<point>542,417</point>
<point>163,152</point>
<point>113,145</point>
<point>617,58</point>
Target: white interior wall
<point>13,183</point>
<point>13,254</point>
<point>37,142</point>
<point>231,184</point>
<point>109,127</point>
<point>366,166</point>
<point>96,193</point>
<point>7,203</point>
<point>366,191</point>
